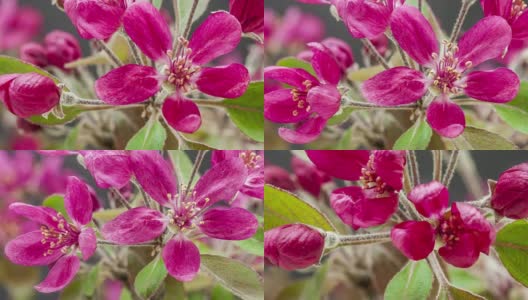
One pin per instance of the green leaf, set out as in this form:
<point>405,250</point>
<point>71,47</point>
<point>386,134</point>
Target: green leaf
<point>460,294</point>
<point>313,289</point>
<point>151,137</point>
<point>219,293</point>
<point>515,112</point>
<point>340,116</point>
<point>106,215</point>
<point>157,3</point>
<point>512,245</point>
<point>462,278</point>
<point>255,244</point>
<point>293,62</point>
<point>413,282</point>
<point>344,141</point>
<point>90,282</point>
<point>173,289</point>
<point>480,139</point>
<point>125,294</point>
<point>70,113</point>
<point>417,137</point>
<point>149,279</point>
<point>73,290</point>
<point>282,207</point>
<point>71,139</point>
<point>182,165</point>
<point>184,8</point>
<point>247,111</point>
<point>56,202</point>
<point>234,276</point>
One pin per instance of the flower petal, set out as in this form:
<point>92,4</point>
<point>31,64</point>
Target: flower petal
<point>87,242</point>
<point>290,76</point>
<point>228,81</point>
<point>154,174</point>
<point>28,250</point>
<point>219,34</point>
<point>221,182</point>
<point>279,106</point>
<point>414,34</point>
<point>39,214</point>
<point>485,40</point>
<point>148,29</point>
<point>60,275</point>
<point>78,201</point>
<point>520,27</point>
<point>446,117</point>
<point>414,239</point>
<point>342,164</point>
<point>305,132</point>
<point>500,8</point>
<point>182,114</point>
<point>95,19</point>
<point>463,254</point>
<point>136,225</point>
<point>366,19</point>
<point>228,223</point>
<point>499,86</point>
<point>324,100</point>
<point>395,86</point>
<point>476,223</point>
<point>324,64</point>
<point>430,199</point>
<point>389,166</point>
<point>182,258</point>
<point>128,84</point>
<point>108,168</point>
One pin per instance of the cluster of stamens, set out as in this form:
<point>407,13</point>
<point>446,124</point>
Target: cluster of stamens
<point>518,6</point>
<point>450,228</point>
<point>370,180</point>
<point>186,208</point>
<point>181,69</point>
<point>250,159</point>
<point>446,73</point>
<point>299,96</point>
<point>63,236</point>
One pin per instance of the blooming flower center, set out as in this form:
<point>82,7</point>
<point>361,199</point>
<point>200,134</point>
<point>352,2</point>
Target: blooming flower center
<point>518,6</point>
<point>446,73</point>
<point>370,179</point>
<point>299,96</point>
<point>450,228</point>
<point>63,236</point>
<point>250,159</point>
<point>185,208</point>
<point>181,69</point>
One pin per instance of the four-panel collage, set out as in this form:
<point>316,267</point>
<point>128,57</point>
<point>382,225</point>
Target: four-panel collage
<point>263,149</point>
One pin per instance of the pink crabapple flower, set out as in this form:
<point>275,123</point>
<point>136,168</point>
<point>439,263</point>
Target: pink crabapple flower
<point>254,162</point>
<point>28,94</point>
<point>34,53</point>
<point>250,14</point>
<point>293,246</point>
<point>463,230</point>
<point>61,48</point>
<point>18,24</point>
<point>515,12</point>
<point>16,170</point>
<point>57,241</point>
<point>189,211</point>
<point>185,69</point>
<point>308,176</point>
<point>341,52</point>
<point>279,177</point>
<point>108,168</point>
<point>511,192</point>
<point>381,177</point>
<point>310,102</point>
<point>95,19</point>
<point>448,74</point>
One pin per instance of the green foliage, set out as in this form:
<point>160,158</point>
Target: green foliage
<point>413,282</point>
<point>247,111</point>
<point>417,137</point>
<point>512,245</point>
<point>150,278</point>
<point>515,112</point>
<point>151,137</point>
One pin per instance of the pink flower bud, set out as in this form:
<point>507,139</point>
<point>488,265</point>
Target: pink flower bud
<point>28,94</point>
<point>293,246</point>
<point>511,192</point>
<point>34,53</point>
<point>278,177</point>
<point>62,48</point>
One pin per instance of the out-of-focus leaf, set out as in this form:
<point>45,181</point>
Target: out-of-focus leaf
<point>413,282</point>
<point>56,202</point>
<point>151,137</point>
<point>173,289</point>
<point>106,215</point>
<point>184,8</point>
<point>464,279</point>
<point>515,112</point>
<point>125,294</point>
<point>70,142</point>
<point>72,291</point>
<point>149,279</point>
<point>90,281</point>
<point>182,165</point>
<point>293,62</point>
<point>220,293</point>
<point>255,244</point>
<point>313,289</point>
<point>417,137</point>
<point>480,139</point>
<point>512,245</point>
<point>460,294</point>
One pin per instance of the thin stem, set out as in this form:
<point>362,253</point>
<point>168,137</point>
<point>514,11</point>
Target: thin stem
<point>420,5</point>
<point>103,242</point>
<point>437,165</point>
<point>190,19</point>
<point>438,272</point>
<point>466,4</point>
<point>120,197</point>
<point>409,207</point>
<point>378,55</point>
<point>113,57</point>
<point>135,54</point>
<point>413,162</point>
<point>196,166</point>
<point>357,104</point>
<point>175,6</point>
<point>451,168</point>
<point>481,203</point>
<point>362,239</point>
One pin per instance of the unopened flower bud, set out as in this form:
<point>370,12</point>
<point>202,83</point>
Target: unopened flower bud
<point>510,197</point>
<point>293,246</point>
<point>34,53</point>
<point>278,177</point>
<point>62,48</point>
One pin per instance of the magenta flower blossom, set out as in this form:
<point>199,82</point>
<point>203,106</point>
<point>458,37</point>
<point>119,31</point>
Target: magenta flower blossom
<point>254,162</point>
<point>16,170</point>
<point>34,53</point>
<point>184,71</point>
<point>61,48</point>
<point>250,14</point>
<point>57,241</point>
<point>28,94</point>
<point>95,19</point>
<point>381,176</point>
<point>108,168</point>
<point>279,177</point>
<point>310,102</point>
<point>189,211</point>
<point>18,24</point>
<point>449,70</point>
<point>511,192</point>
<point>293,246</point>
<point>341,52</point>
<point>463,230</point>
<point>308,176</point>
<point>515,12</point>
